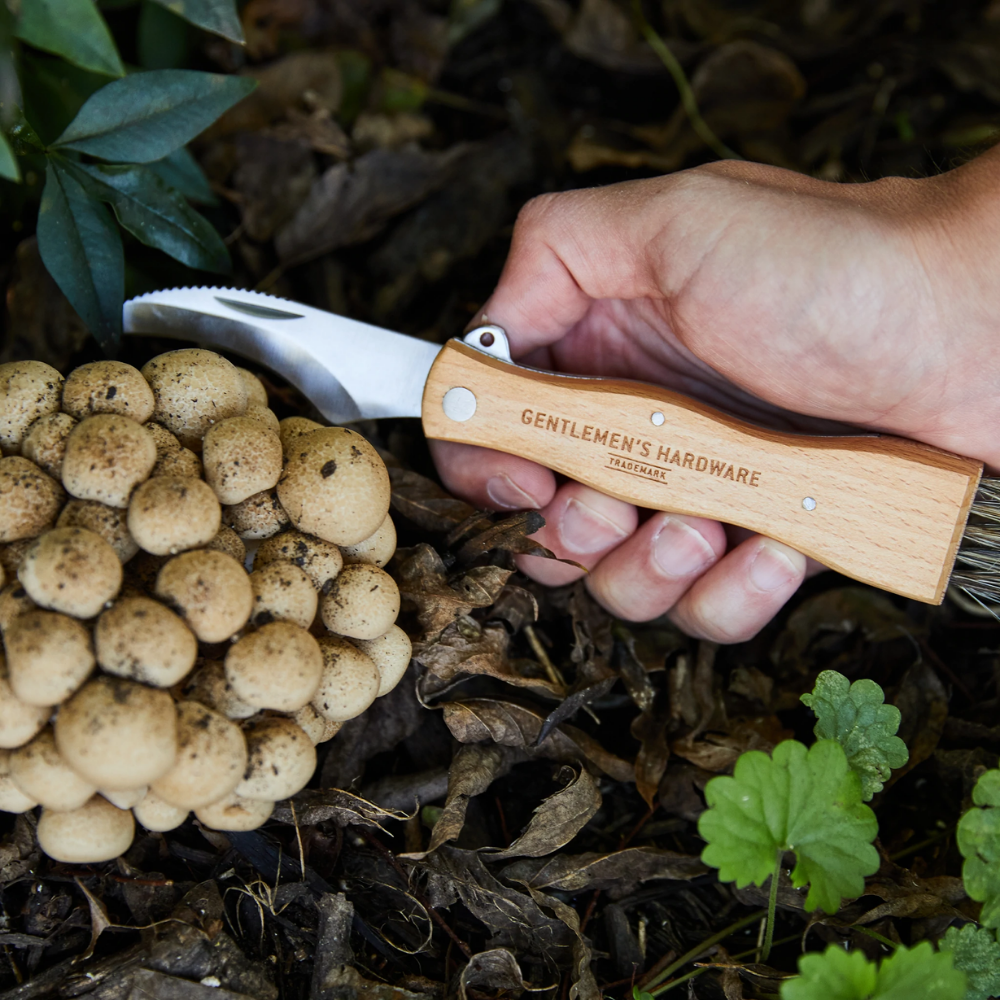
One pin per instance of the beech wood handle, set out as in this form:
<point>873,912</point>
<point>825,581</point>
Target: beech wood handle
<point>881,509</point>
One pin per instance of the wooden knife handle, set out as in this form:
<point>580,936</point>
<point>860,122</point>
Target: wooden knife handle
<point>880,509</point>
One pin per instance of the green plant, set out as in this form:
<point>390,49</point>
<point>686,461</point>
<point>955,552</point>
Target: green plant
<point>976,952</point>
<point>854,715</point>
<point>979,841</point>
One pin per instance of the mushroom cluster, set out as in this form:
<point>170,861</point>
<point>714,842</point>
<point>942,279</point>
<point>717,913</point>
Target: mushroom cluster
<point>192,597</point>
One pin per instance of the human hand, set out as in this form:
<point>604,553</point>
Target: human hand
<point>785,300</point>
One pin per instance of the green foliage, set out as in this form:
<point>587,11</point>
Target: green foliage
<point>216,16</point>
<point>854,715</point>
<point>641,995</point>
<point>181,171</point>
<point>975,951</point>
<point>979,841</point>
<point>917,973</point>
<point>73,29</point>
<point>806,801</point>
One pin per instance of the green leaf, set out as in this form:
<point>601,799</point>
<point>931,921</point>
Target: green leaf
<point>217,16</point>
<point>53,91</point>
<point>854,716</point>
<point>80,245</point>
<point>73,29</point>
<point>181,171</point>
<point>979,841</point>
<point>975,951</point>
<point>918,973</point>
<point>8,164</point>
<point>806,801</point>
<point>156,214</point>
<point>146,116</point>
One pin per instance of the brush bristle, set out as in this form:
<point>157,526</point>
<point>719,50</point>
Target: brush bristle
<point>977,565</point>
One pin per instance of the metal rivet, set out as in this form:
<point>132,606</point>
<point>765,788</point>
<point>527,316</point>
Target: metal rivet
<point>459,403</point>
<point>808,503</point>
<point>487,339</point>
<point>657,419</point>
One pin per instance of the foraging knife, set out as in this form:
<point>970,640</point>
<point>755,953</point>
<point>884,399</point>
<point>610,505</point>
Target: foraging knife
<point>881,509</point>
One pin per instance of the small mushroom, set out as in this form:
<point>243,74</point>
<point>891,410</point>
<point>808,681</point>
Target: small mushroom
<point>40,772</point>
<point>111,523</point>
<point>320,561</point>
<point>12,799</point>
<point>19,721</point>
<point>118,734</point>
<point>226,540</point>
<point>12,555</point>
<point>283,592</point>
<point>97,831</point>
<point>280,760</point>
<point>49,656</point>
<point>107,456</point>
<point>171,458</point>
<point>28,390</point>
<point>362,603</point>
<point>45,442</point>
<point>241,458</point>
<point>127,799</point>
<point>141,573</point>
<point>318,729</point>
<point>29,499</point>
<point>264,416</point>
<point>140,639</point>
<point>170,514</point>
<point>210,590</point>
<point>391,654</point>
<point>350,680</point>
<point>278,667</point>
<point>376,549</point>
<point>194,389</point>
<point>235,814</point>
<point>14,601</point>
<point>158,816</point>
<point>211,758</point>
<point>208,686</point>
<point>71,570</point>
<point>107,387</point>
<point>292,428</point>
<point>335,486</point>
<point>259,516</point>
<point>256,393</point>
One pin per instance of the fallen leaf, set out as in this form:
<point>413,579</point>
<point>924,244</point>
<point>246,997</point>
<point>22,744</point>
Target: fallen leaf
<point>496,969</point>
<point>323,805</point>
<point>424,502</point>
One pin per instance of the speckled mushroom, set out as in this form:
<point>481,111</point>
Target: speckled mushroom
<point>207,684</point>
<point>28,390</point>
<point>45,442</point>
<point>362,603</point>
<point>391,653</point>
<point>278,667</point>
<point>265,416</point>
<point>29,499</point>
<point>125,799</point>
<point>256,393</point>
<point>19,721</point>
<point>226,540</point>
<point>156,815</point>
<point>49,655</point>
<point>242,457</point>
<point>320,561</point>
<point>318,729</point>
<point>40,772</point>
<point>107,456</point>
<point>376,549</point>
<point>142,640</point>
<point>12,799</point>
<point>14,601</point>
<point>172,459</point>
<point>107,387</point>
<point>292,428</point>
<point>170,514</point>
<point>259,516</point>
<point>12,555</point>
<point>97,831</point>
<point>111,523</point>
<point>282,592</point>
<point>280,760</point>
<point>350,680</point>
<point>235,814</point>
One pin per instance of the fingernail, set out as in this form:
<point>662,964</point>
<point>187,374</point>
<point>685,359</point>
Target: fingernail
<point>773,567</point>
<point>584,530</point>
<point>504,492</point>
<point>680,551</point>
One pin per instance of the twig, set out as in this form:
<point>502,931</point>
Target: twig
<point>543,656</point>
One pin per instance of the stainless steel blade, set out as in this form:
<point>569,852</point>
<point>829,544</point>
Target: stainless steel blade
<point>349,370</point>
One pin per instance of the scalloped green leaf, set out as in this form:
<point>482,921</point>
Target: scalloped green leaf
<point>976,952</point>
<point>854,715</point>
<point>978,839</point>
<point>217,16</point>
<point>73,29</point>
<point>806,801</point>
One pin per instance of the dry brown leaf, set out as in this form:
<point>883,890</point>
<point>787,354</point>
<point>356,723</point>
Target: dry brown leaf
<point>320,805</point>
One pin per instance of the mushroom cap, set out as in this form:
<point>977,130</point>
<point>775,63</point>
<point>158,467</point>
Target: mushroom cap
<point>335,486</point>
<point>283,592</point>
<point>172,459</point>
<point>235,814</point>
<point>170,514</point>
<point>12,555</point>
<point>226,540</point>
<point>208,686</point>
<point>29,499</point>
<point>40,772</point>
<point>391,653</point>
<point>320,561</point>
<point>12,799</point>
<point>265,416</point>
<point>141,572</point>
<point>49,655</point>
<point>28,390</point>
<point>194,389</point>
<point>210,590</point>
<point>111,523</point>
<point>97,831</point>
<point>280,760</point>
<point>107,387</point>
<point>256,393</point>
<point>14,601</point>
<point>242,457</point>
<point>118,734</point>
<point>350,680</point>
<point>140,639</point>
<point>278,667</point>
<point>292,428</point>
<point>107,456</point>
<point>45,442</point>
<point>259,516</point>
<point>362,603</point>
<point>211,758</point>
<point>156,815</point>
<point>376,549</point>
<point>71,570</point>
<point>19,721</point>
<point>318,729</point>
<point>126,799</point>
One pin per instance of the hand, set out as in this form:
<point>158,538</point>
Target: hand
<point>783,299</point>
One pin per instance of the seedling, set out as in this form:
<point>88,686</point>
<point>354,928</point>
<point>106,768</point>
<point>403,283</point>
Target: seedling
<point>975,951</point>
<point>979,841</point>
<point>854,715</point>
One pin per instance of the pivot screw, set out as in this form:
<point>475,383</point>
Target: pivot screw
<point>808,503</point>
<point>657,419</point>
<point>459,404</point>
